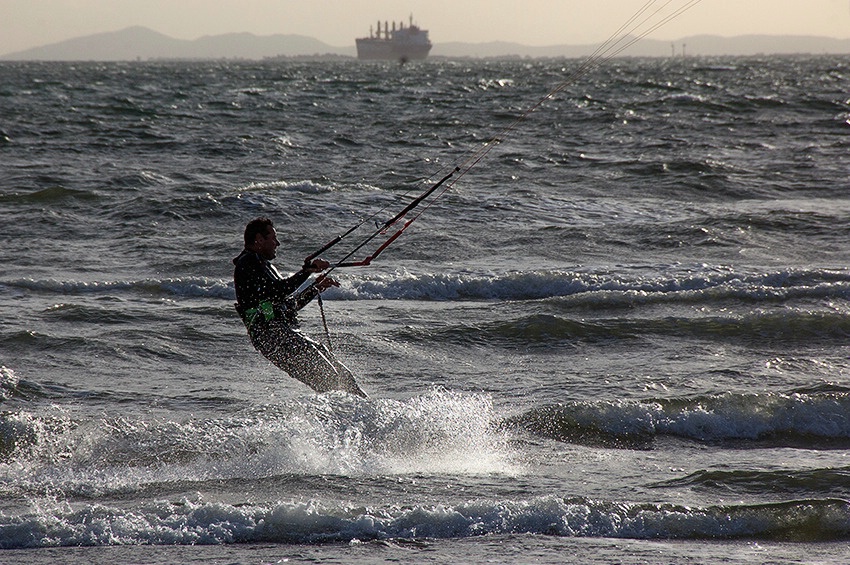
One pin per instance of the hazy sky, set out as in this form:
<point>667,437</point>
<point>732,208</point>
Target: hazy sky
<point>31,23</point>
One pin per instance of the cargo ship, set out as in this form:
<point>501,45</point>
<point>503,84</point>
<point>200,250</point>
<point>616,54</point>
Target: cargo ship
<point>402,43</point>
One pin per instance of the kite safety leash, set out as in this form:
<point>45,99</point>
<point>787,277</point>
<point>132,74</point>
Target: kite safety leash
<point>324,321</point>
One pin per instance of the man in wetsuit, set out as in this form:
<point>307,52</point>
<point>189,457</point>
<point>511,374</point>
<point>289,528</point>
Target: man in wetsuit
<point>268,303</point>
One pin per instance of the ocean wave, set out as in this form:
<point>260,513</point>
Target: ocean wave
<point>792,419</point>
<point>193,522</point>
<point>306,187</point>
<point>828,482</point>
<point>574,289</point>
<point>546,330</point>
<point>52,195</point>
<point>598,288</point>
<point>186,287</point>
<point>436,432</point>
<point>8,383</point>
<point>14,388</point>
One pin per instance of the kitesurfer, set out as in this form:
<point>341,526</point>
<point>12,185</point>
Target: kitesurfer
<point>268,304</point>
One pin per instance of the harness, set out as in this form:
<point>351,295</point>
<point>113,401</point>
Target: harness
<point>250,316</point>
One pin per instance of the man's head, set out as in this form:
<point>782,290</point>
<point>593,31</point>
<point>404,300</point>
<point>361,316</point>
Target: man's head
<point>261,237</point>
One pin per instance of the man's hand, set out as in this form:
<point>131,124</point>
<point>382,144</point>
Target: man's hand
<point>325,283</point>
<point>315,266</point>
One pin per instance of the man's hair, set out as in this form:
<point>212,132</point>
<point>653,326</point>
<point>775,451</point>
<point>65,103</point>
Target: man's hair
<point>256,226</point>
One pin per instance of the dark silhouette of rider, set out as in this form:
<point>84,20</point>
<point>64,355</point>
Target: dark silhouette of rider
<point>268,304</point>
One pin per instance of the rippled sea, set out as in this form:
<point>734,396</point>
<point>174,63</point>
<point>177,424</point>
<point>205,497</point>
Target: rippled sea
<point>621,337</point>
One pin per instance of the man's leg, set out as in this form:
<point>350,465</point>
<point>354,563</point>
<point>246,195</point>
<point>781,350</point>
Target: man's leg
<point>305,360</point>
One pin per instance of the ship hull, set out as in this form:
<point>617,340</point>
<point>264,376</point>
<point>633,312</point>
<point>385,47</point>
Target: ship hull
<point>385,50</point>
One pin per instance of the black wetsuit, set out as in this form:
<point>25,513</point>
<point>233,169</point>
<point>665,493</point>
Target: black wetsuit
<point>257,280</point>
<point>267,303</point>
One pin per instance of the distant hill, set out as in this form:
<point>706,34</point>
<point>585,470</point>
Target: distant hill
<point>142,43</point>
<point>700,45</point>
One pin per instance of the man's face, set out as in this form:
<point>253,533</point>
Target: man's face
<point>267,244</point>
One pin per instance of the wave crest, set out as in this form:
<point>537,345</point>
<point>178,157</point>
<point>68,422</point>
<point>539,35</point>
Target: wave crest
<point>785,419</point>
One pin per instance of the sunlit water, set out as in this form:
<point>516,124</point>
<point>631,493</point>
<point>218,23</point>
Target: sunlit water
<point>621,337</point>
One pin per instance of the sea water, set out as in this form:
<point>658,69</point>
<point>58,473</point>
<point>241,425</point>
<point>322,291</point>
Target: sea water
<point>621,337</point>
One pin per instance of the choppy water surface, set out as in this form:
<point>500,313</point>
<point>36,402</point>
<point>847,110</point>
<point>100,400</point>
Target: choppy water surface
<point>621,336</point>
